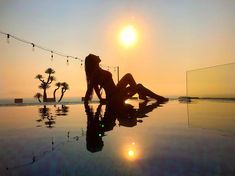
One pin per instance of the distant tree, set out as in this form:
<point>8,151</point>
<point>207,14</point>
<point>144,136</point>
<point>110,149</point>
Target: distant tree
<point>38,96</point>
<point>45,84</point>
<point>64,88</point>
<point>58,84</point>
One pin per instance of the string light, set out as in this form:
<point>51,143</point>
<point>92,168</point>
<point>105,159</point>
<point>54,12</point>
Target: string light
<point>33,46</point>
<point>52,56</point>
<point>8,38</point>
<point>53,52</point>
<point>67,60</point>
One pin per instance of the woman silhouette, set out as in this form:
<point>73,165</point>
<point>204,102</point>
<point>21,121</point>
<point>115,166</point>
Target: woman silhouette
<point>97,78</point>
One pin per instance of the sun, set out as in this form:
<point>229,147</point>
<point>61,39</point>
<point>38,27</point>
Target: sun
<point>128,36</point>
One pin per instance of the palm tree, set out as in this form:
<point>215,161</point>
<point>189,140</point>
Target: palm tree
<point>51,79</point>
<point>38,96</point>
<point>39,77</point>
<point>65,87</point>
<point>50,71</point>
<point>58,84</point>
<point>46,84</point>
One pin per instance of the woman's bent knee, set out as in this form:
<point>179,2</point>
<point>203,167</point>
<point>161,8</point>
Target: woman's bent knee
<point>128,75</point>
<point>139,86</point>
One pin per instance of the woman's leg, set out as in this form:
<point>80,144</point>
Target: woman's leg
<point>134,88</point>
<point>144,91</point>
<point>126,80</point>
<point>127,86</point>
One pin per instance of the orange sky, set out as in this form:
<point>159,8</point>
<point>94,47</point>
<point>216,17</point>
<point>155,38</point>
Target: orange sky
<point>173,37</point>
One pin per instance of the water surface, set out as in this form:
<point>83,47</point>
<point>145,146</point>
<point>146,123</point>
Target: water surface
<point>171,139</point>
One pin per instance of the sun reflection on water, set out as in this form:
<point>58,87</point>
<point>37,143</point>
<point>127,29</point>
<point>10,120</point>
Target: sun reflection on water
<point>131,152</point>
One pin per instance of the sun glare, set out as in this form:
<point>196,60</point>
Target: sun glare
<point>131,153</point>
<point>128,36</point>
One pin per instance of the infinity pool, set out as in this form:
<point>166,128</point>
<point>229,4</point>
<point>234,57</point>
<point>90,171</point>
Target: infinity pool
<point>170,139</point>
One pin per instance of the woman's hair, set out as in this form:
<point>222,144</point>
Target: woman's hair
<point>91,66</point>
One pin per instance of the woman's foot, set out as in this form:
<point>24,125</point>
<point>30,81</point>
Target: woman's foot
<point>162,99</point>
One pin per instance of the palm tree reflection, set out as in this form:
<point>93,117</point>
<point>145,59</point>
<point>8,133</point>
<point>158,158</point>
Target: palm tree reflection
<point>62,111</point>
<point>48,117</point>
<point>98,124</point>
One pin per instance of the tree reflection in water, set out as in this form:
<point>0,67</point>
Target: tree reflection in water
<point>48,117</point>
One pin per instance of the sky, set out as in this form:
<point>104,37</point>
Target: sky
<point>174,36</point>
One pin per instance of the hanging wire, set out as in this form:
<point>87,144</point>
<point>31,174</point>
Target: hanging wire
<point>53,52</point>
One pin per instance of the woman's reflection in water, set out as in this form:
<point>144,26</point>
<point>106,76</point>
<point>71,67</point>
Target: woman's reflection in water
<point>98,124</point>
<point>94,132</point>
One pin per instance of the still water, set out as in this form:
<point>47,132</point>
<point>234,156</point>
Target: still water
<point>169,139</point>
